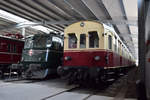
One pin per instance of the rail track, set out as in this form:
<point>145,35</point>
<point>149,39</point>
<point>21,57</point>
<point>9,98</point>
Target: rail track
<point>121,85</point>
<point>117,90</point>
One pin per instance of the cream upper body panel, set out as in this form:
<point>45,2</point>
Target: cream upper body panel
<point>103,32</point>
<point>84,27</point>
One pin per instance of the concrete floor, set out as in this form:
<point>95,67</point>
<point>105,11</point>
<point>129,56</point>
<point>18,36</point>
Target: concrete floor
<point>44,90</point>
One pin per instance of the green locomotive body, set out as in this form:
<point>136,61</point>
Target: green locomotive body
<point>41,55</point>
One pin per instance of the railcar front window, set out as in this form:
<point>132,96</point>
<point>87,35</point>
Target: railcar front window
<point>72,41</point>
<point>93,40</point>
<point>109,42</point>
<point>82,41</point>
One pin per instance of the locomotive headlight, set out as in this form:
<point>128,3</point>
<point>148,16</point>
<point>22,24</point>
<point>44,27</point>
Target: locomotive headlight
<point>97,58</point>
<point>67,58</point>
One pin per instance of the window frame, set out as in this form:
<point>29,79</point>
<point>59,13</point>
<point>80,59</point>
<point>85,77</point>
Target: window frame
<point>83,40</point>
<point>74,46</point>
<point>98,44</point>
<point>109,42</point>
<point>9,47</point>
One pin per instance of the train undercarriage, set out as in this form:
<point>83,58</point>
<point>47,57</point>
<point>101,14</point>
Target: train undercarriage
<point>82,75</point>
<point>10,70</point>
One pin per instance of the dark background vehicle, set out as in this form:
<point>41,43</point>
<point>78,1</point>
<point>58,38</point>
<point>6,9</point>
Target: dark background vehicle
<point>41,55</point>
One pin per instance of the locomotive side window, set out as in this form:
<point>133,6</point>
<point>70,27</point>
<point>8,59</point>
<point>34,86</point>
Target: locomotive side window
<point>82,40</point>
<point>1,45</point>
<point>39,42</point>
<point>93,40</point>
<point>9,48</point>
<point>48,42</point>
<point>14,48</point>
<point>109,42</point>
<point>72,41</point>
<point>57,43</point>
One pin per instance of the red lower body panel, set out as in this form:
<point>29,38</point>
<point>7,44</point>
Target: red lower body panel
<point>87,58</point>
<point>9,58</point>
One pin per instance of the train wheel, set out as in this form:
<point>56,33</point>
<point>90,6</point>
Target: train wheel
<point>70,78</point>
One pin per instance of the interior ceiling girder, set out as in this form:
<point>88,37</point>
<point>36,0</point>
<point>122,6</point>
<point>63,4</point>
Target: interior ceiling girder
<point>28,31</point>
<point>37,10</point>
<point>66,7</point>
<point>33,16</point>
<point>129,35</point>
<point>81,8</point>
<point>95,8</point>
<point>132,14</point>
<point>119,13</point>
<point>24,24</point>
<point>61,11</point>
<point>46,10</point>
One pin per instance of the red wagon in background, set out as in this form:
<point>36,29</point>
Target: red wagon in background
<point>10,52</point>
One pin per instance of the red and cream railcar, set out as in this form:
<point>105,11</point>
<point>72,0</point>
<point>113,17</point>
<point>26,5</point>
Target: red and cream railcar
<point>92,49</point>
<point>10,52</point>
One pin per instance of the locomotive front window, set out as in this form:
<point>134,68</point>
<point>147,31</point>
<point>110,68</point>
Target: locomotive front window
<point>82,41</point>
<point>72,41</point>
<point>40,42</point>
<point>57,43</point>
<point>29,43</point>
<point>93,40</point>
<point>49,42</point>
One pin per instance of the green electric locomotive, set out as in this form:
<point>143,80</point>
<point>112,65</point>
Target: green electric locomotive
<point>41,56</point>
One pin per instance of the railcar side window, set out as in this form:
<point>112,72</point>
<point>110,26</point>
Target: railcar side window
<point>109,42</point>
<point>119,49</point>
<point>122,52</point>
<point>115,44</point>
<point>72,41</point>
<point>82,40</point>
<point>93,40</point>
